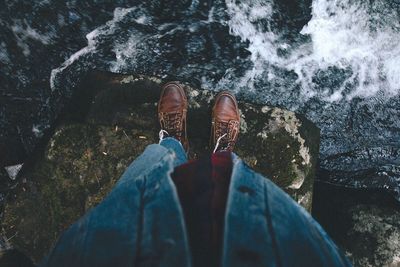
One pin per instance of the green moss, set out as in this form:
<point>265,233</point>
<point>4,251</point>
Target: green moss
<point>80,166</point>
<point>82,161</point>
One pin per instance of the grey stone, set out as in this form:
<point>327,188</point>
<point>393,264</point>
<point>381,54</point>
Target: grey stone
<point>374,238</point>
<point>110,122</point>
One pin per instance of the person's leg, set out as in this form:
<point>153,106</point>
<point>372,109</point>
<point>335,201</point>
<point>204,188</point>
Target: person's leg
<point>120,230</point>
<point>264,226</point>
<point>176,147</point>
<point>109,233</point>
<point>225,122</point>
<point>172,109</point>
<point>299,239</point>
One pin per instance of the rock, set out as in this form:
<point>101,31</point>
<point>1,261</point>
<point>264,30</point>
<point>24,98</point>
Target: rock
<point>109,123</point>
<point>375,236</point>
<point>364,223</point>
<point>14,258</point>
<point>13,170</point>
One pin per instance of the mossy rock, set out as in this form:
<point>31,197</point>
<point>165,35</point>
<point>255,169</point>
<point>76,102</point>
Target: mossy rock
<point>110,122</point>
<point>368,230</point>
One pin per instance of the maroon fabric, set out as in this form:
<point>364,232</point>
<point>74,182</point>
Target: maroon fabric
<point>203,187</point>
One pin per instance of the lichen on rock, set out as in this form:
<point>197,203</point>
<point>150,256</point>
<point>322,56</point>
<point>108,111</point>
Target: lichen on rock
<point>91,148</point>
<point>375,235</point>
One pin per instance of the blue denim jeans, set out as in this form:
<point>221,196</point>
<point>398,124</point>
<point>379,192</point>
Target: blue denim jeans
<point>140,223</point>
<point>175,147</point>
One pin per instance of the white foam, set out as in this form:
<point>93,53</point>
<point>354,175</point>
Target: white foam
<point>4,58</point>
<point>124,51</point>
<point>108,28</point>
<point>67,63</point>
<point>243,14</point>
<point>344,34</point>
<point>37,131</point>
<point>23,33</point>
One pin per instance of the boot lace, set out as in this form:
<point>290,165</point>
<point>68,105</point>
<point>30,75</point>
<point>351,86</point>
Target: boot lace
<point>171,123</point>
<point>227,132</point>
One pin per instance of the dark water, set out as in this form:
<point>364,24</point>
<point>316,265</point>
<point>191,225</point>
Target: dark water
<point>337,62</point>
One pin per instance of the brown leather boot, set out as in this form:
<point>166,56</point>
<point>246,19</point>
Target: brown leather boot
<point>225,123</point>
<point>172,109</point>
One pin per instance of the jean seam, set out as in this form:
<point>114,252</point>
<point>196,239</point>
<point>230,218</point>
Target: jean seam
<point>270,226</point>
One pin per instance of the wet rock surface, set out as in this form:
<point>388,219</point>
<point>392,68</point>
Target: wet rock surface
<point>109,123</point>
<point>365,224</point>
<point>375,236</point>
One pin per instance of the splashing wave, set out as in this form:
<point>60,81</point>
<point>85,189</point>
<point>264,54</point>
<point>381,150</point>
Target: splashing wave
<point>362,39</point>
